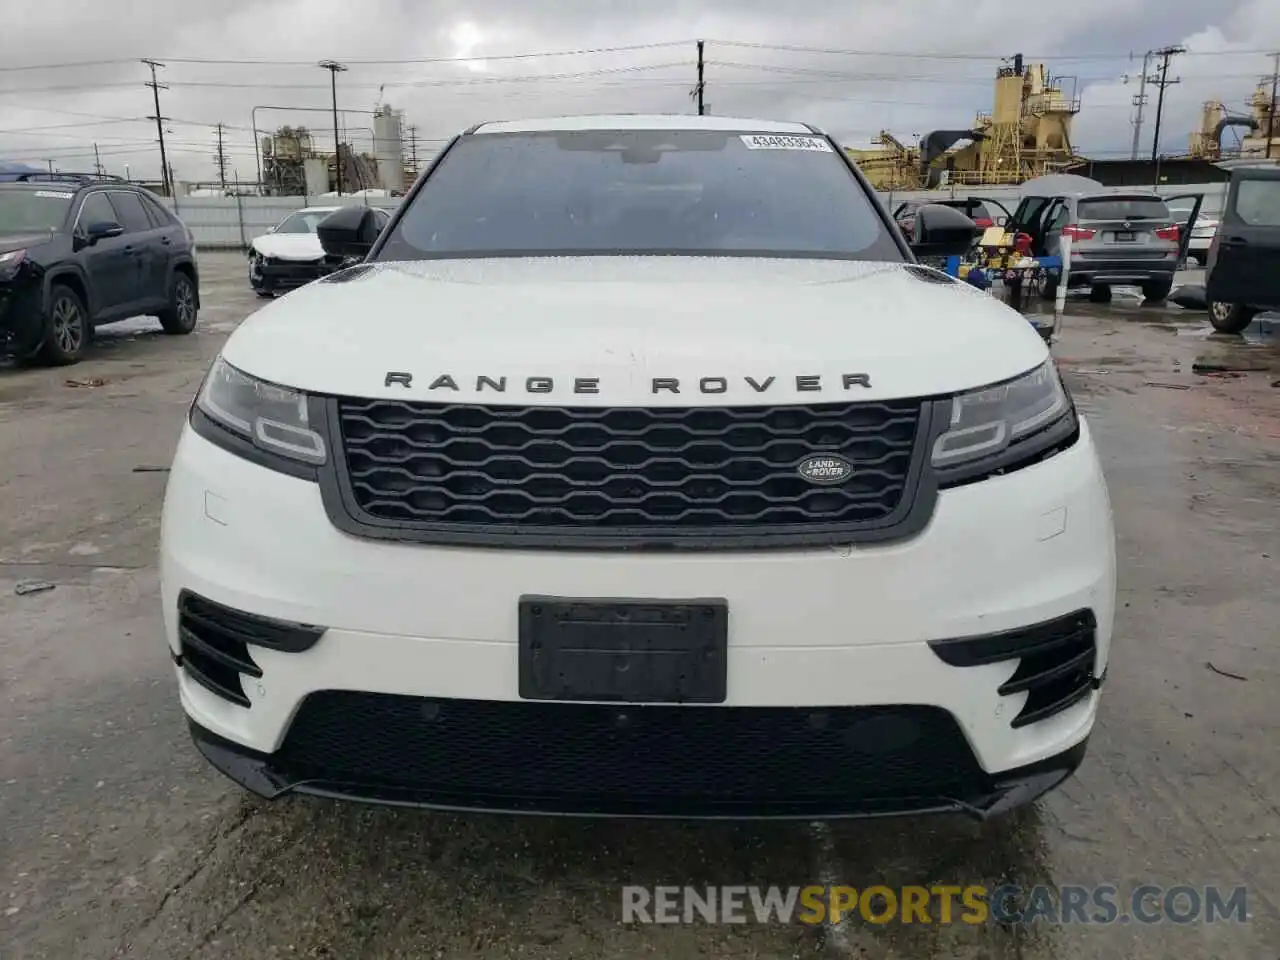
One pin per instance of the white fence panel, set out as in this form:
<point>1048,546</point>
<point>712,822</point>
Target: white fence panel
<point>234,222</point>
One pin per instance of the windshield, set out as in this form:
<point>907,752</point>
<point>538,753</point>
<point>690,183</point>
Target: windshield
<point>688,192</point>
<point>305,222</point>
<point>1124,208</point>
<point>26,211</point>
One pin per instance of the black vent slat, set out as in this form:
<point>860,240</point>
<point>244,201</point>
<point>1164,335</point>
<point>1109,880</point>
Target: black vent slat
<point>592,756</point>
<point>585,471</point>
<point>227,657</point>
<point>1019,684</point>
<point>192,667</point>
<point>1042,711</point>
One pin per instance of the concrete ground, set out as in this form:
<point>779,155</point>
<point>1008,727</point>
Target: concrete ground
<point>116,840</point>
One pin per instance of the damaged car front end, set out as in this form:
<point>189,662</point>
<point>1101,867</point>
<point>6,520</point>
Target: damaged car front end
<point>21,299</point>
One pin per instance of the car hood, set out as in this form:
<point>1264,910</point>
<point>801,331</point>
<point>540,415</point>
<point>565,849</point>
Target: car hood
<point>22,241</point>
<point>599,331</point>
<point>289,246</point>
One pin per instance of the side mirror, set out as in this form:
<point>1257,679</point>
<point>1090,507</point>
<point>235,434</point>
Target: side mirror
<point>1002,221</point>
<point>942,232</point>
<point>348,233</point>
<point>102,230</point>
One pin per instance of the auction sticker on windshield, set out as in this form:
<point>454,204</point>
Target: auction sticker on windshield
<point>773,141</point>
<point>52,195</point>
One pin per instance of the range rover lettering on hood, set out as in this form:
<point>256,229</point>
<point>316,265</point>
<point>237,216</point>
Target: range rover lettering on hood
<point>805,383</point>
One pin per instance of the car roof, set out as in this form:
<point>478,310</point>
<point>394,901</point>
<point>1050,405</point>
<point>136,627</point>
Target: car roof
<point>626,121</point>
<point>313,210</point>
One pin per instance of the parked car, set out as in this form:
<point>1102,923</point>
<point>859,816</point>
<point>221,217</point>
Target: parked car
<point>78,251</point>
<point>1243,276</point>
<point>640,468</point>
<point>1201,235</point>
<point>979,211</point>
<point>1117,238</point>
<point>289,255</point>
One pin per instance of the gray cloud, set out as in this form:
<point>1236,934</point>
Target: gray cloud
<point>852,95</point>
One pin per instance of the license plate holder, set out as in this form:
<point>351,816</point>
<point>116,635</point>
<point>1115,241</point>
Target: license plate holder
<point>621,650</point>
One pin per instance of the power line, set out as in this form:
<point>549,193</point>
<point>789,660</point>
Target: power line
<point>160,120</point>
<point>1271,113</point>
<point>1140,101</point>
<point>701,85</point>
<point>1165,54</point>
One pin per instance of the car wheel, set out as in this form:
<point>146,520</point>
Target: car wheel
<point>67,328</point>
<point>1230,317</point>
<point>1100,294</point>
<point>180,316</point>
<point>1156,291</point>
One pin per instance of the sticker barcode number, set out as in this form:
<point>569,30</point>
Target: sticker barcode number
<point>775,141</point>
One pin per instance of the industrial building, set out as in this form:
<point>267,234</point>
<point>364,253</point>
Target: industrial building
<point>1027,134</point>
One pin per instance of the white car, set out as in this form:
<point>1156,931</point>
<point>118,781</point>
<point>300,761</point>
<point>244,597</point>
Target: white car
<point>640,471</point>
<point>289,254</point>
<point>1202,231</point>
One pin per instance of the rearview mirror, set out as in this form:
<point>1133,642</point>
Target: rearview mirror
<point>348,233</point>
<point>102,230</point>
<point>942,232</point>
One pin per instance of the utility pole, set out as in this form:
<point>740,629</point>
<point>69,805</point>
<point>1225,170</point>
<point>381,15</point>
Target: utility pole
<point>97,161</point>
<point>1271,116</point>
<point>697,91</point>
<point>155,90</point>
<point>1140,101</point>
<point>220,159</point>
<point>413,147</point>
<point>333,66</point>
<point>50,163</point>
<point>1165,54</point>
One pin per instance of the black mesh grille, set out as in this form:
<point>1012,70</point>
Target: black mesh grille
<point>605,471</point>
<point>595,757</point>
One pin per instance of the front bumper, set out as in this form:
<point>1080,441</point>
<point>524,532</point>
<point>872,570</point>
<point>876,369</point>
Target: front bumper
<point>21,312</point>
<point>273,275</point>
<point>829,654</point>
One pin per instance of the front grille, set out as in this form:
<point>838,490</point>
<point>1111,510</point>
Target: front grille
<point>621,472</point>
<point>1056,661</point>
<point>598,758</point>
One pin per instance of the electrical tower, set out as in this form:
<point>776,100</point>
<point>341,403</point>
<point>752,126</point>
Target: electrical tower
<point>220,160</point>
<point>1165,55</point>
<point>1140,102</point>
<point>413,147</point>
<point>167,184</point>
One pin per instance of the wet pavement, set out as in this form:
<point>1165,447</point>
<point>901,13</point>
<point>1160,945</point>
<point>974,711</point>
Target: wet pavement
<point>118,841</point>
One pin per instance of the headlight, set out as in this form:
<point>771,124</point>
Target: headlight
<point>271,418</point>
<point>1009,422</point>
<point>10,262</point>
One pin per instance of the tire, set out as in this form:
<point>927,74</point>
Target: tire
<point>1100,294</point>
<point>67,328</point>
<point>1199,256</point>
<point>1230,317</point>
<point>1157,291</point>
<point>264,294</point>
<point>180,316</point>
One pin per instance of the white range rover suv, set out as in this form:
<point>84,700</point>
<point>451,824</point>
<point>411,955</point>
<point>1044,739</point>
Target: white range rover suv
<point>640,469</point>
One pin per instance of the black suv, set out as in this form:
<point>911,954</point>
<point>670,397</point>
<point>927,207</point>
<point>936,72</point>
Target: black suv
<point>82,250</point>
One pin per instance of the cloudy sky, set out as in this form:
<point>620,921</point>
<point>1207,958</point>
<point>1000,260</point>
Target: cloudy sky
<point>70,76</point>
